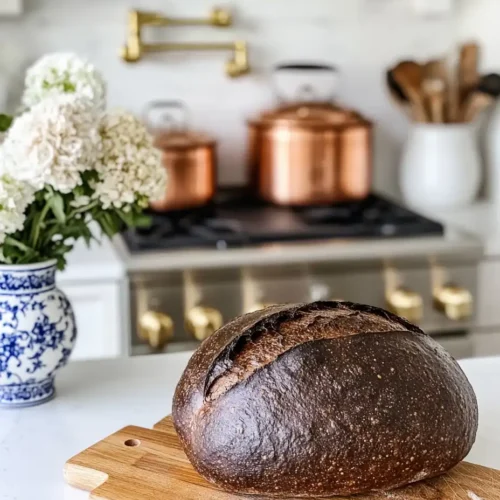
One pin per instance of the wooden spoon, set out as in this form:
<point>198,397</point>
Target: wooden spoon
<point>436,69</point>
<point>409,76</point>
<point>435,86</point>
<point>435,93</point>
<point>398,96</point>
<point>468,70</point>
<point>476,103</point>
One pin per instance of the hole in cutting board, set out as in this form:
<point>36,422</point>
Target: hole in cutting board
<point>132,443</point>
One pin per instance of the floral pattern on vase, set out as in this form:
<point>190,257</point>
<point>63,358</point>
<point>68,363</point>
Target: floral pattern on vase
<point>37,333</point>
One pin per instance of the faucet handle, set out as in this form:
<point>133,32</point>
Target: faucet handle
<point>238,65</point>
<point>132,51</point>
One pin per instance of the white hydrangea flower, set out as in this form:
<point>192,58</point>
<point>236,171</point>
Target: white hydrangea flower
<point>53,143</point>
<point>15,197</point>
<point>64,73</point>
<point>129,166</point>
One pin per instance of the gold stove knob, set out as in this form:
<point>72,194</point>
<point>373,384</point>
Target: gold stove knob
<point>454,301</point>
<point>156,329</point>
<point>202,321</point>
<point>406,303</point>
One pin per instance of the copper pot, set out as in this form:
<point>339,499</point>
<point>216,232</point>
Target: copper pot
<point>310,153</point>
<point>189,158</point>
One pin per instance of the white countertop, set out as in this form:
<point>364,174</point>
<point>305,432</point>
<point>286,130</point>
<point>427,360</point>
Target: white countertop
<point>481,219</point>
<point>96,399</point>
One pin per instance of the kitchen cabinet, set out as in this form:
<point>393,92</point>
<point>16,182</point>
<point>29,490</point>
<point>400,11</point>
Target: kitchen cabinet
<point>96,284</point>
<point>98,309</point>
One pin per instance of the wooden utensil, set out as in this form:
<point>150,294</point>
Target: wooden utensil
<point>476,103</point>
<point>468,70</point>
<point>484,96</point>
<point>436,70</point>
<point>434,91</point>
<point>409,76</point>
<point>435,87</point>
<point>144,464</point>
<point>398,96</point>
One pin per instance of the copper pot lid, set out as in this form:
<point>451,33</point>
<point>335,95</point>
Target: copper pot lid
<point>309,115</point>
<point>181,140</point>
<point>168,121</point>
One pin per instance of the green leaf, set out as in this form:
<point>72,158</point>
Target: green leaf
<point>105,220</point>
<point>62,249</point>
<point>87,235</point>
<point>142,220</point>
<point>61,262</point>
<point>5,122</point>
<point>15,243</point>
<point>126,217</point>
<point>134,219</point>
<point>57,206</point>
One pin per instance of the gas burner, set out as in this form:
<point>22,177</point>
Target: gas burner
<point>342,213</point>
<point>237,220</point>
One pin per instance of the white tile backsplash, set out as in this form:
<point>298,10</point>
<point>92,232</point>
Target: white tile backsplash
<point>362,37</point>
<point>11,7</point>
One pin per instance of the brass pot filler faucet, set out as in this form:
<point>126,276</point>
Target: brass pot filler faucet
<point>135,48</point>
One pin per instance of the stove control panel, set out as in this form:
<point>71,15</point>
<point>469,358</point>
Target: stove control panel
<point>435,294</point>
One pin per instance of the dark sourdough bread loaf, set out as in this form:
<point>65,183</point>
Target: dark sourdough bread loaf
<point>322,399</point>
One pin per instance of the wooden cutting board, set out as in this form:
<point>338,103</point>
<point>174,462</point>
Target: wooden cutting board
<point>145,464</point>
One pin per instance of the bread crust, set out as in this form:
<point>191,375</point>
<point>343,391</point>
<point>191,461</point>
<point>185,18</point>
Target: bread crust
<point>352,399</point>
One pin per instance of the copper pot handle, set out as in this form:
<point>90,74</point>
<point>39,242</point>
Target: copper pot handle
<point>304,92</point>
<point>168,122</point>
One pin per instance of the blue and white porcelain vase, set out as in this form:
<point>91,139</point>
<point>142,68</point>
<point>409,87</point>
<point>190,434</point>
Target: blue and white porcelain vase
<point>37,333</point>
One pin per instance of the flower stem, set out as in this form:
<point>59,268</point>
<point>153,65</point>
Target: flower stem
<point>37,224</point>
<point>86,208</point>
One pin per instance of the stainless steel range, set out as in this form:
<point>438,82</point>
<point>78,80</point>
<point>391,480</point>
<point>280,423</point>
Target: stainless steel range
<point>193,270</point>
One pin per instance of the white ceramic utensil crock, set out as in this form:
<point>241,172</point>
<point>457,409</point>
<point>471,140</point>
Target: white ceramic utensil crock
<point>441,166</point>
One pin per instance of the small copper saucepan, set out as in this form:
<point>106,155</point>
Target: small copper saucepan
<point>310,152</point>
<point>188,157</point>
